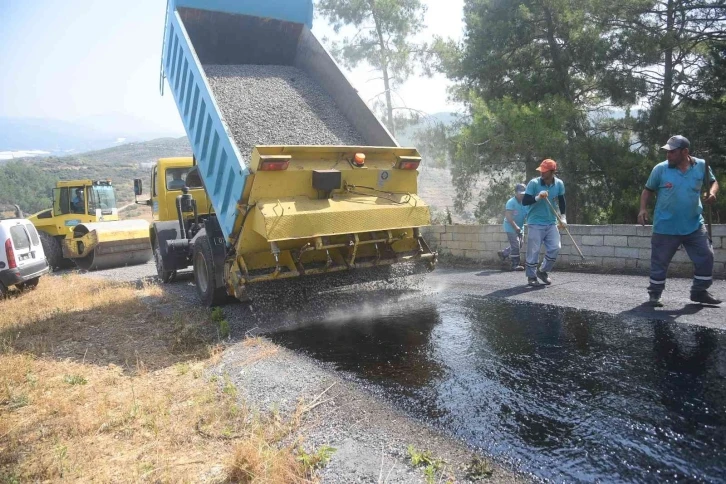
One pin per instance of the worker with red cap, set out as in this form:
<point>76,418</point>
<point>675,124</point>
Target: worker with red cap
<point>542,223</point>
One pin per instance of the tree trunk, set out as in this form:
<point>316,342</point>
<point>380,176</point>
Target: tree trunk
<point>667,101</point>
<point>384,68</point>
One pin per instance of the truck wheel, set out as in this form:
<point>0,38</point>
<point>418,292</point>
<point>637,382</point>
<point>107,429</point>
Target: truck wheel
<point>165,276</point>
<point>53,250</point>
<point>204,276</point>
<point>29,284</point>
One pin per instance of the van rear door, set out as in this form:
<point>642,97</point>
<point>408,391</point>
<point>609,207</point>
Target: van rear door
<point>25,252</point>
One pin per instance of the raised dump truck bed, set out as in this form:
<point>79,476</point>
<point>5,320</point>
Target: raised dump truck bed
<point>229,37</point>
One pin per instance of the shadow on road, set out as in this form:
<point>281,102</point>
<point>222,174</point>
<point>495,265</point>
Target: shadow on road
<point>647,311</point>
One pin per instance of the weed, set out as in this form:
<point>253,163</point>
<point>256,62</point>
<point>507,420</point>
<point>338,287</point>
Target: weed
<point>222,324</point>
<point>229,388</point>
<point>223,329</point>
<point>217,315</point>
<point>61,452</point>
<point>18,401</point>
<point>182,368</point>
<point>317,459</point>
<point>479,469</point>
<point>9,477</point>
<point>75,380</point>
<point>31,379</point>
<point>431,466</point>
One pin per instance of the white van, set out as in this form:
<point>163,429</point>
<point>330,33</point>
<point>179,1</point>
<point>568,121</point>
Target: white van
<point>22,260</point>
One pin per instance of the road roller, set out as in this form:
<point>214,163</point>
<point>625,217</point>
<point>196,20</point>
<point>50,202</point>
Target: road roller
<point>83,228</point>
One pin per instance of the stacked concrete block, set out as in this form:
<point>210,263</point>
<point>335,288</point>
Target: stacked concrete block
<point>608,248</point>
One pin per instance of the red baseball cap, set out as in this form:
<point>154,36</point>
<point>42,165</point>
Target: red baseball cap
<point>547,165</point>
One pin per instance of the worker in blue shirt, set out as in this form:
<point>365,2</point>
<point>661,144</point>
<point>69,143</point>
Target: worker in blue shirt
<point>542,222</point>
<point>78,203</point>
<point>678,219</point>
<point>514,214</point>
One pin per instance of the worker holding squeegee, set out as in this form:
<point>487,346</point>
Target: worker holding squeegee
<point>678,220</point>
<point>543,222</point>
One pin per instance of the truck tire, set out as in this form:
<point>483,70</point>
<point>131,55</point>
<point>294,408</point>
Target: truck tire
<point>29,284</point>
<point>53,251</point>
<point>165,276</point>
<point>204,274</point>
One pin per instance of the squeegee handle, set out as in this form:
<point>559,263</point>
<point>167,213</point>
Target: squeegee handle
<point>707,186</point>
<point>557,215</point>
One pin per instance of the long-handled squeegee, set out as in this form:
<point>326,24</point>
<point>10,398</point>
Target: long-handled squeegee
<point>583,260</point>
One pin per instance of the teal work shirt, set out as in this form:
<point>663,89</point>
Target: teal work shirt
<point>519,211</point>
<point>678,206</point>
<point>540,212</point>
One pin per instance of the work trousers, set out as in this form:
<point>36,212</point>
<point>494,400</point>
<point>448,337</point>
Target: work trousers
<point>699,250</point>
<point>515,245</point>
<point>536,236</point>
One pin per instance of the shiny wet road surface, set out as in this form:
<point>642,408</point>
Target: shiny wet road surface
<point>560,393</point>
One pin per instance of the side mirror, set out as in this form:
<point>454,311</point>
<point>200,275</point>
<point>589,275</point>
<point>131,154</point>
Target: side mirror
<point>138,187</point>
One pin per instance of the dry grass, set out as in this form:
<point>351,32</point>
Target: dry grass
<point>104,382</point>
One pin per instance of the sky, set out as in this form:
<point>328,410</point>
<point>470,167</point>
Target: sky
<point>92,60</point>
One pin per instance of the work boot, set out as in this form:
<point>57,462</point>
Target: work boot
<point>704,297</point>
<point>654,300</point>
<point>501,255</point>
<point>532,281</point>
<point>544,277</point>
<point>518,268</point>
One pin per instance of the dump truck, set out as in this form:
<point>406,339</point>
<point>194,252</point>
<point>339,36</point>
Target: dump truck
<point>300,178</point>
<point>83,228</point>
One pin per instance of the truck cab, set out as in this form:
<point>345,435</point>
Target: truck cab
<point>169,177</point>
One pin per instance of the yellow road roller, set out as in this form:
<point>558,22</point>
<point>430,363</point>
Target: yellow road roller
<point>83,228</point>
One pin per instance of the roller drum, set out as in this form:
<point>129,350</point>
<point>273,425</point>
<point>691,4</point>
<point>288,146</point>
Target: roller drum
<point>103,245</point>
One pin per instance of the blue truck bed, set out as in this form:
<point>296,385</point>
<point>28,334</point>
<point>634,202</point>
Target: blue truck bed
<point>239,32</point>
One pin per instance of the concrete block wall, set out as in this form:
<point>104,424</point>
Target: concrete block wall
<point>607,248</point>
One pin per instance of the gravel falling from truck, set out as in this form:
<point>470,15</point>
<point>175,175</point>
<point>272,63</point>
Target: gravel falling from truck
<point>277,105</point>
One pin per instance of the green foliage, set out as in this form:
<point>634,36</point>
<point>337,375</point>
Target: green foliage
<point>317,459</point>
<point>432,143</point>
<point>382,39</point>
<point>75,379</point>
<point>431,466</point>
<point>26,185</point>
<point>217,314</point>
<point>558,80</point>
<point>221,322</point>
<point>478,470</point>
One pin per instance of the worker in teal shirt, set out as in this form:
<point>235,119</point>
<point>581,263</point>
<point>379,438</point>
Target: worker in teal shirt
<point>514,214</point>
<point>542,223</point>
<point>678,220</point>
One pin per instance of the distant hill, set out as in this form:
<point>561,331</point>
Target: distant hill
<point>120,164</point>
<point>24,136</point>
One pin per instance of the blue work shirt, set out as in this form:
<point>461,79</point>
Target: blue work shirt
<point>540,212</point>
<point>678,206</point>
<point>519,211</point>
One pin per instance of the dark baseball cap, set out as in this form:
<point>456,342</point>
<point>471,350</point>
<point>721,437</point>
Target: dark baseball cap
<point>676,142</point>
<point>520,188</point>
